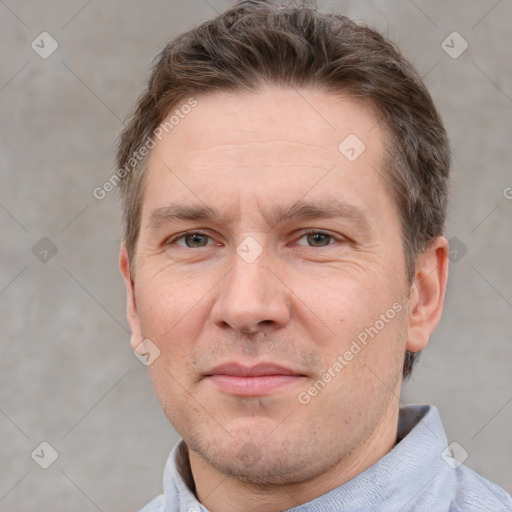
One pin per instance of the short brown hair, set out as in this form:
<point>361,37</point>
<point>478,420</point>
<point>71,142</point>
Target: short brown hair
<point>292,45</point>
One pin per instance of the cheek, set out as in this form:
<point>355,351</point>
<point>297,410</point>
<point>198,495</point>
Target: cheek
<point>361,319</point>
<point>345,303</point>
<point>175,313</point>
<point>167,299</point>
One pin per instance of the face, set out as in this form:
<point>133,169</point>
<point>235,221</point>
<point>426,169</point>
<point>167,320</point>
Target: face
<point>270,274</point>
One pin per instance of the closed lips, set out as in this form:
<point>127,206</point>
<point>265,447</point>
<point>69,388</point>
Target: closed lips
<point>258,370</point>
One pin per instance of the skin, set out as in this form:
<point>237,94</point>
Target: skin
<point>300,304</point>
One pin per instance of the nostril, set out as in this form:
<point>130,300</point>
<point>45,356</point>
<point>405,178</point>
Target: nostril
<point>256,330</point>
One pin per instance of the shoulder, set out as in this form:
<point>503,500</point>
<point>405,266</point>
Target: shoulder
<point>474,493</point>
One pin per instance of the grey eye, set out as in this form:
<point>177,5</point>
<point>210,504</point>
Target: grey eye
<point>318,239</point>
<point>195,240</point>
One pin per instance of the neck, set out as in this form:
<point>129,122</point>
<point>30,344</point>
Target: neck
<point>221,493</point>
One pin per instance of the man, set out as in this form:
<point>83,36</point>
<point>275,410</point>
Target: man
<point>284,184</point>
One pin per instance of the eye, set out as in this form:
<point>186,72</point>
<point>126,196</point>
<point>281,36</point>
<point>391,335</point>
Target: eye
<point>193,240</point>
<point>317,239</point>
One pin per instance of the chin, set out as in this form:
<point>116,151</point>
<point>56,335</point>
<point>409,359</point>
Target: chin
<point>264,460</point>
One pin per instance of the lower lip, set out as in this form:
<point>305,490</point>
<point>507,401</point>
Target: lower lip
<point>252,386</point>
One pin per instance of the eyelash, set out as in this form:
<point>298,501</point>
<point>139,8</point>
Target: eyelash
<point>184,235</point>
<point>317,232</point>
<point>305,233</point>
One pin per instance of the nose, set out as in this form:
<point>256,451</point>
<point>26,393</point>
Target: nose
<point>251,298</point>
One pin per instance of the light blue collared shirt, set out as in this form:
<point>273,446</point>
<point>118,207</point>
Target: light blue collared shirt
<point>417,475</point>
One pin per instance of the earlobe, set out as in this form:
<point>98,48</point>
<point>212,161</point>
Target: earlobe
<point>131,306</point>
<point>427,295</point>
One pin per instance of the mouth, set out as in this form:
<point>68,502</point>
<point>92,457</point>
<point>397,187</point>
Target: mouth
<point>258,380</point>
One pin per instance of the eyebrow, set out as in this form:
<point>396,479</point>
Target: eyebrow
<point>300,210</point>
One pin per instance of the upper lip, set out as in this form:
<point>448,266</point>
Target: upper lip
<point>258,370</point>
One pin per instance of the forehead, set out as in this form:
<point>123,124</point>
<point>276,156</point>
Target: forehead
<point>311,118</point>
<point>249,148</point>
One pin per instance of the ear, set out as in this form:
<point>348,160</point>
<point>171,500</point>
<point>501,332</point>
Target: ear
<point>427,294</point>
<point>131,306</point>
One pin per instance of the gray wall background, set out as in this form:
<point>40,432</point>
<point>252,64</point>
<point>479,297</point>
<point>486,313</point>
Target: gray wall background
<point>67,374</point>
